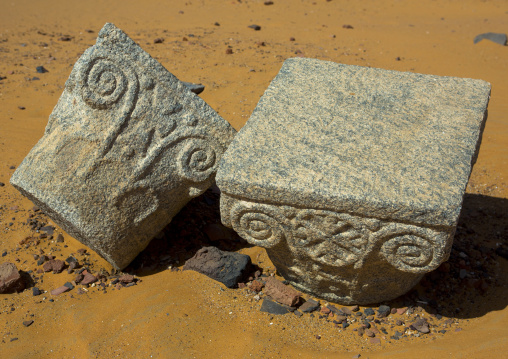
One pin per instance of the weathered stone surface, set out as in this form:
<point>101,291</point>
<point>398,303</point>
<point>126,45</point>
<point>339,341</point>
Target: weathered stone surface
<point>10,279</point>
<point>126,147</point>
<point>353,177</point>
<point>226,267</point>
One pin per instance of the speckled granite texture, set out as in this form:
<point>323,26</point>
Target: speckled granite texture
<point>353,177</point>
<point>126,147</point>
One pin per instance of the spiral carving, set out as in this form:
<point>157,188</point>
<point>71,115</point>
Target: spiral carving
<point>258,224</point>
<point>197,160</point>
<point>104,83</point>
<point>410,253</point>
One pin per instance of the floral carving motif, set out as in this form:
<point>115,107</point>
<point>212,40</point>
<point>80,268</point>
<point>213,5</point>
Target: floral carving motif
<point>339,239</point>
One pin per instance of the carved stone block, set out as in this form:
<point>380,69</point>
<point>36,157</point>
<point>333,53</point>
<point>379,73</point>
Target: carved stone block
<point>353,178</point>
<point>125,148</point>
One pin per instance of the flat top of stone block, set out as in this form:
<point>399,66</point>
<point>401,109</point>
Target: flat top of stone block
<point>369,141</point>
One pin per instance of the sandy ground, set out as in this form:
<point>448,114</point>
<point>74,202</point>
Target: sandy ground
<point>183,314</point>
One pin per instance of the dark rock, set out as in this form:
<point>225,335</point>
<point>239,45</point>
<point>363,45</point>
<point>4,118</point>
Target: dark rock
<point>158,40</point>
<point>41,260</point>
<point>383,311</point>
<point>269,306</point>
<point>355,308</point>
<point>369,311</point>
<point>255,27</point>
<point>22,107</point>
<point>60,238</point>
<point>71,259</point>
<point>347,26</point>
<point>345,324</point>
<point>281,293</point>
<point>268,3</point>
<point>28,323</point>
<point>226,267</point>
<point>298,313</point>
<point>229,51</point>
<point>196,88</point>
<point>41,69</point>
<point>2,184</point>
<point>492,36</point>
<point>309,306</point>
<point>10,279</point>
<point>36,291</point>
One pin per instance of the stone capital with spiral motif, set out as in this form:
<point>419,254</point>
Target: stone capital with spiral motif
<point>353,178</point>
<point>125,148</point>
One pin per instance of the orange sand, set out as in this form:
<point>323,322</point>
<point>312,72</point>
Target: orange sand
<point>183,314</point>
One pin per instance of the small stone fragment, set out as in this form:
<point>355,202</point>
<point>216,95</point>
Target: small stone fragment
<point>421,325</point>
<point>195,88</point>
<point>401,311</point>
<point>494,37</point>
<point>226,267</point>
<point>346,311</point>
<point>36,291</point>
<point>126,278</point>
<point>10,279</point>
<point>269,306</point>
<point>60,290</point>
<point>158,40</point>
<point>41,69</point>
<point>383,311</point>
<point>88,278</point>
<point>60,238</point>
<point>369,312</point>
<point>281,293</point>
<point>256,286</point>
<point>229,51</point>
<point>255,27</point>
<point>28,323</point>
<point>309,306</point>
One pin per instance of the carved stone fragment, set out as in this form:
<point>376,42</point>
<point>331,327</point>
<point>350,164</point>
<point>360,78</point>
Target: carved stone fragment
<point>353,178</point>
<point>125,148</point>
